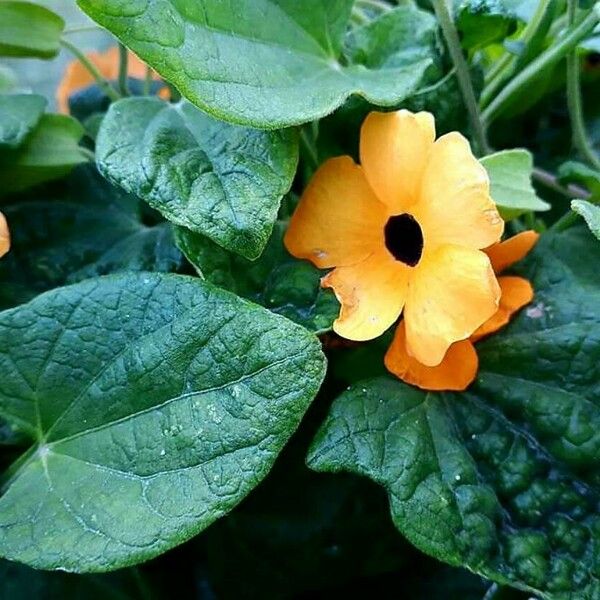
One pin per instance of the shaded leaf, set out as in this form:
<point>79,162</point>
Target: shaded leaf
<point>19,114</point>
<point>155,403</point>
<point>49,152</point>
<point>89,229</point>
<point>221,180</point>
<point>28,29</point>
<point>576,172</point>
<point>591,214</point>
<point>502,479</point>
<point>273,63</point>
<point>276,280</point>
<point>510,178</point>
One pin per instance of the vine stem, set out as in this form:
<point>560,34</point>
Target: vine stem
<point>91,68</point>
<point>574,101</point>
<point>123,69</point>
<point>462,73</point>
<point>550,181</point>
<point>549,58</point>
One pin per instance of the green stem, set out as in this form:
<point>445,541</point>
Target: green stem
<point>123,70</point>
<point>93,71</point>
<point>147,81</point>
<point>375,5</point>
<point>549,58</point>
<point>551,182</point>
<point>80,29</point>
<point>309,149</point>
<point>574,101</point>
<point>462,73</point>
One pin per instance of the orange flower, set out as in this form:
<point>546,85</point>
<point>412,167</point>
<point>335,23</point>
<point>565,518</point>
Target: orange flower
<point>77,77</point>
<point>4,236</point>
<point>404,231</point>
<point>459,367</point>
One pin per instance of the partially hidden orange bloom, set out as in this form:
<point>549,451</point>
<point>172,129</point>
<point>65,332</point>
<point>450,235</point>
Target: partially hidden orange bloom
<point>459,367</point>
<point>405,231</point>
<point>77,77</point>
<point>4,236</point>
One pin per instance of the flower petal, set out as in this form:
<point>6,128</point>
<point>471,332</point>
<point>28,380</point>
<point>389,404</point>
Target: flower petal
<point>4,236</point>
<point>456,371</point>
<point>512,250</point>
<point>516,293</point>
<point>338,221</point>
<point>394,148</point>
<point>454,206</point>
<point>372,294</point>
<point>453,292</point>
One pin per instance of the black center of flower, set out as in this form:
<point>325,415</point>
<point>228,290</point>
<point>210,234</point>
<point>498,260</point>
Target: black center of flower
<point>404,239</point>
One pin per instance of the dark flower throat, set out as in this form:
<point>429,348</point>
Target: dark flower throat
<point>404,239</point>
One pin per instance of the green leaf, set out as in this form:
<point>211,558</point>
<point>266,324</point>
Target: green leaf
<point>89,229</point>
<point>502,479</point>
<point>276,280</point>
<point>590,212</point>
<point>19,114</point>
<point>510,178</point>
<point>273,63</point>
<point>576,172</point>
<point>221,180</point>
<point>28,29</point>
<point>155,404</point>
<point>49,152</point>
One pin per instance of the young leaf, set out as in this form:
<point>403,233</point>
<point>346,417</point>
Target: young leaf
<point>155,404</point>
<point>19,114</point>
<point>272,63</point>
<point>49,152</point>
<point>503,478</point>
<point>89,229</point>
<point>28,29</point>
<point>590,212</point>
<point>510,178</point>
<point>276,280</point>
<point>221,180</point>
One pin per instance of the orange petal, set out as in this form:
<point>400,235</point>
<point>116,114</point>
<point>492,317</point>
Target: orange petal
<point>372,294</point>
<point>4,236</point>
<point>77,77</point>
<point>456,371</point>
<point>338,221</point>
<point>394,148</point>
<point>516,293</point>
<point>512,250</point>
<point>455,205</point>
<point>452,292</point>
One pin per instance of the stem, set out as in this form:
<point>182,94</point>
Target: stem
<point>551,182</point>
<point>309,149</point>
<point>91,68</point>
<point>462,73</point>
<point>549,58</point>
<point>568,219</point>
<point>123,68</point>
<point>147,81</point>
<point>574,101</point>
<point>80,29</point>
<point>375,5</point>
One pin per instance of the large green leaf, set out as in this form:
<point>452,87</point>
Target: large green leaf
<point>19,114</point>
<point>155,404</point>
<point>28,29</point>
<point>49,152</point>
<point>272,63</point>
<point>221,180</point>
<point>88,229</point>
<point>510,178</point>
<point>503,478</point>
<point>276,280</point>
<point>590,212</point>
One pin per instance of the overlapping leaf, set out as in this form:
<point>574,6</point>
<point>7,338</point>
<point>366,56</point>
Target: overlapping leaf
<point>155,403</point>
<point>503,478</point>
<point>221,180</point>
<point>273,63</point>
<point>19,114</point>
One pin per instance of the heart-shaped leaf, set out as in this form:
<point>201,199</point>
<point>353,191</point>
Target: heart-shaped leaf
<point>155,404</point>
<point>502,479</point>
<point>273,63</point>
<point>221,180</point>
<point>276,280</point>
<point>89,229</point>
<point>19,114</point>
<point>49,152</point>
